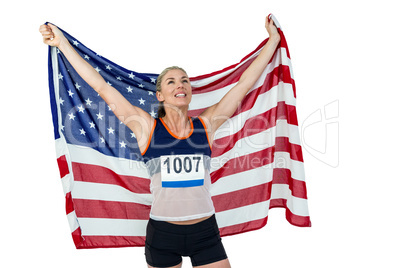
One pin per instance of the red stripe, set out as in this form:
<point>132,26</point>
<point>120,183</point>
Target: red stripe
<point>241,198</point>
<point>284,176</point>
<point>259,193</point>
<point>243,227</point>
<point>111,209</point>
<point>300,221</point>
<point>111,242</point>
<point>282,144</point>
<point>99,174</point>
<point>283,42</point>
<point>77,237</point>
<point>243,163</point>
<point>63,166</point>
<point>69,203</point>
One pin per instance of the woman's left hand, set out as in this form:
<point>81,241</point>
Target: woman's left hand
<point>271,28</point>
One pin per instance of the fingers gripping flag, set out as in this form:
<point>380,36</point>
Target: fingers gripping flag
<point>256,164</point>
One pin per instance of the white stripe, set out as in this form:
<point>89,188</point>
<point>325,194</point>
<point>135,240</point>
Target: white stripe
<point>276,22</point>
<point>257,176</point>
<point>108,192</point>
<point>66,183</point>
<point>298,206</point>
<point>60,143</point>
<point>72,221</point>
<point>55,66</point>
<point>122,166</point>
<point>245,146</point>
<point>242,214</point>
<point>283,129</point>
<point>112,227</point>
<point>283,160</point>
<point>242,180</point>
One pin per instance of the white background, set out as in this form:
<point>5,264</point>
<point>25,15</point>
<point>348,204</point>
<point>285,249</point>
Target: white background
<point>346,57</point>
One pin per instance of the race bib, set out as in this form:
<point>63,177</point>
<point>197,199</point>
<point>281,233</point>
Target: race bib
<point>178,171</point>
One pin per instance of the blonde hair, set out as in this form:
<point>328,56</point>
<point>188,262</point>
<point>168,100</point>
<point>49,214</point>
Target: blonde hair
<point>161,108</point>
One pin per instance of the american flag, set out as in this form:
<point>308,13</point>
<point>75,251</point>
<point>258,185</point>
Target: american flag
<point>256,164</point>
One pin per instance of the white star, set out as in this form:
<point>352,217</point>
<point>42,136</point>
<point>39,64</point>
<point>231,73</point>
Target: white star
<point>118,78</point>
<point>75,43</point>
<point>62,127</point>
<point>97,69</point>
<point>60,76</point>
<point>150,93</point>
<point>108,67</point>
<point>153,114</point>
<point>153,80</point>
<point>131,75</point>
<point>88,102</point>
<point>142,101</point>
<point>77,86</point>
<point>81,109</point>
<point>61,101</point>
<point>86,57</point>
<point>111,130</point>
<point>141,85</point>
<point>100,116</point>
<point>122,144</point>
<point>102,140</point>
<point>91,124</point>
<point>82,131</point>
<point>133,135</point>
<point>70,93</point>
<point>109,83</point>
<point>129,89</point>
<point>71,116</point>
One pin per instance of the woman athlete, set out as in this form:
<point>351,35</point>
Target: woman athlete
<point>182,220</point>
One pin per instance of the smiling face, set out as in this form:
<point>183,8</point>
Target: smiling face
<point>175,89</point>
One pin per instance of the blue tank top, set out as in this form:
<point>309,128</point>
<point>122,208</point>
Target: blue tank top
<point>179,168</point>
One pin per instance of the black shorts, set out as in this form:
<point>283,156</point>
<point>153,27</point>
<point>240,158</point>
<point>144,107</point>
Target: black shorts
<point>166,243</point>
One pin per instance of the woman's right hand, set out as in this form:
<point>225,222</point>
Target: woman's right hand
<point>52,36</point>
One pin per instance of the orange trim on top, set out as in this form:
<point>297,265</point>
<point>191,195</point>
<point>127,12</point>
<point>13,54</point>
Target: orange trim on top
<point>174,135</point>
<point>150,137</point>
<point>206,132</point>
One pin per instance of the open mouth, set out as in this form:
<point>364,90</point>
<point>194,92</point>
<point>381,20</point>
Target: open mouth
<point>180,95</point>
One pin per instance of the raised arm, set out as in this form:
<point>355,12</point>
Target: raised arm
<point>217,114</point>
<point>139,121</point>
